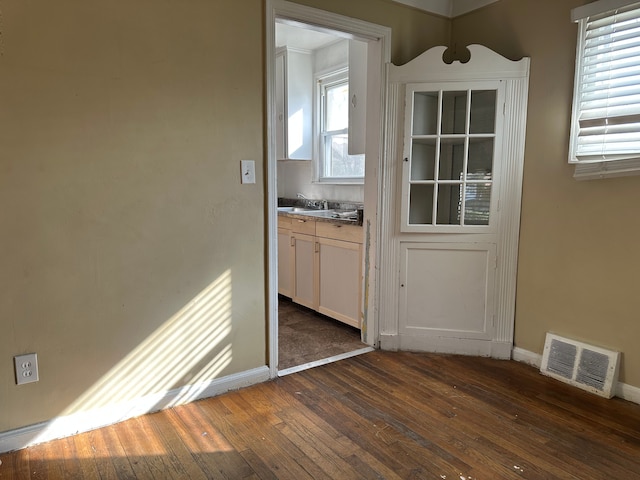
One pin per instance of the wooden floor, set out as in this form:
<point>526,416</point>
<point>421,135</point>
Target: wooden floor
<point>381,415</point>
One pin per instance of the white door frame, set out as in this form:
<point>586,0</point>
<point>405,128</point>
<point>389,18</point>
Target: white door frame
<point>379,56</point>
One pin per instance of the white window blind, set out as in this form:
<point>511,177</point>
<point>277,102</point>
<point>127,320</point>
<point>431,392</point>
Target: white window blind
<point>606,111</point>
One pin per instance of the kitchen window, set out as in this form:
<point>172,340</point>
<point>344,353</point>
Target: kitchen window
<point>605,128</point>
<point>335,165</point>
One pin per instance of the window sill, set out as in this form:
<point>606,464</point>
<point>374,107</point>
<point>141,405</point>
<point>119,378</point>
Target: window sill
<point>609,169</point>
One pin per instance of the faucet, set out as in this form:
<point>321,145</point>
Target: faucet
<point>317,204</point>
<point>308,203</point>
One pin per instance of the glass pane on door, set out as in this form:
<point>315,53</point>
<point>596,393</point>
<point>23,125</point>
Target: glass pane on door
<point>449,204</point>
<point>483,111</point>
<point>425,113</point>
<point>421,204</point>
<point>477,203</point>
<point>480,156</point>
<point>451,159</point>
<point>452,145</point>
<point>454,112</point>
<point>423,159</point>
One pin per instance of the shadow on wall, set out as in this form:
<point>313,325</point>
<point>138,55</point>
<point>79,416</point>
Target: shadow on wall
<point>190,349</point>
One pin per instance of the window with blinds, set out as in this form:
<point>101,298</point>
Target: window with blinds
<point>605,133</point>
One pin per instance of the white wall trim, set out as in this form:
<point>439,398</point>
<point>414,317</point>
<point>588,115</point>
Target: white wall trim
<point>623,390</point>
<point>628,392</point>
<point>73,424</point>
<point>595,8</point>
<point>525,356</point>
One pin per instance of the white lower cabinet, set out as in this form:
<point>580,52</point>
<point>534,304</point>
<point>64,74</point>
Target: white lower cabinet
<point>304,266</point>
<point>339,280</point>
<point>285,286</point>
<point>323,268</point>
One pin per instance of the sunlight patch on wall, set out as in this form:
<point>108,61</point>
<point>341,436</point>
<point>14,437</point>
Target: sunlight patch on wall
<point>295,132</point>
<point>171,367</point>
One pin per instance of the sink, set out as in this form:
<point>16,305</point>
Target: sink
<point>291,209</point>
<point>299,209</point>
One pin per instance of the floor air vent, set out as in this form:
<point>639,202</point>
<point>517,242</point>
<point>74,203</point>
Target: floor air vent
<point>591,368</point>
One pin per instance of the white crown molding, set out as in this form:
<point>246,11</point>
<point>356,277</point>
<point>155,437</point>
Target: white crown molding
<point>447,8</point>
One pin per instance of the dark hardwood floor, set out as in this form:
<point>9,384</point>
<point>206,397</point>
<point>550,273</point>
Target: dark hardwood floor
<point>381,415</point>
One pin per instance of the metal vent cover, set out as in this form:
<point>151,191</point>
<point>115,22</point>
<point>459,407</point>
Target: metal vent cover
<point>584,366</point>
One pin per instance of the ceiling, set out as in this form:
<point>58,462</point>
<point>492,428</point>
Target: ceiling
<point>447,8</point>
<point>301,38</point>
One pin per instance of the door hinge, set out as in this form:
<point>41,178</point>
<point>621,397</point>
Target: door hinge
<point>293,241</point>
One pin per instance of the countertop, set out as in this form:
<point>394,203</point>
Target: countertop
<point>329,216</point>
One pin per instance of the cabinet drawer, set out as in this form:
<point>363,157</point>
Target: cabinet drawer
<point>284,222</point>
<point>348,233</point>
<point>299,225</point>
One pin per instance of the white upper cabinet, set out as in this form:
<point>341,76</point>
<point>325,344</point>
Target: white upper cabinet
<point>357,96</point>
<point>294,105</point>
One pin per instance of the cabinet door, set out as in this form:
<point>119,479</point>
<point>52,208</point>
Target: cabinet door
<point>304,267</point>
<point>284,262</point>
<point>357,96</point>
<point>339,280</point>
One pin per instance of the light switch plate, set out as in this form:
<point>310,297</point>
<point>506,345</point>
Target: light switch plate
<point>248,171</point>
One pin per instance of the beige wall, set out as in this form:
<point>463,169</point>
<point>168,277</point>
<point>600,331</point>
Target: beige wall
<point>121,131</point>
<point>132,258</point>
<point>578,259</point>
<point>133,261</point>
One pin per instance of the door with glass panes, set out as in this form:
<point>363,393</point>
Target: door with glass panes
<point>450,187</point>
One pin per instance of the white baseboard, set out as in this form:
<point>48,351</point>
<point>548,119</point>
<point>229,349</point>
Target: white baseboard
<point>65,426</point>
<point>525,356</point>
<point>457,346</point>
<point>628,392</point>
<point>624,391</point>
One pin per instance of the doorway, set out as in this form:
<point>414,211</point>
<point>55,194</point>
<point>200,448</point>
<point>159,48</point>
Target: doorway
<point>377,39</point>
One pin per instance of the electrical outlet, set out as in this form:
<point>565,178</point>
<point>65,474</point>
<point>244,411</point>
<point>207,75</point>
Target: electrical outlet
<point>26,368</point>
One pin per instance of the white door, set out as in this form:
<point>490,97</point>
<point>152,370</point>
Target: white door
<point>458,154</point>
<point>446,295</point>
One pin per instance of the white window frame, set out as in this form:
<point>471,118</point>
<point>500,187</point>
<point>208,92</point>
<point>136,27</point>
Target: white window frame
<point>590,164</point>
<point>324,81</point>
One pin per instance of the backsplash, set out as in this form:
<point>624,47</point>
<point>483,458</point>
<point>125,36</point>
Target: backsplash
<point>296,176</point>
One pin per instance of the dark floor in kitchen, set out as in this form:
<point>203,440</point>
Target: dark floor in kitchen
<point>305,336</point>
